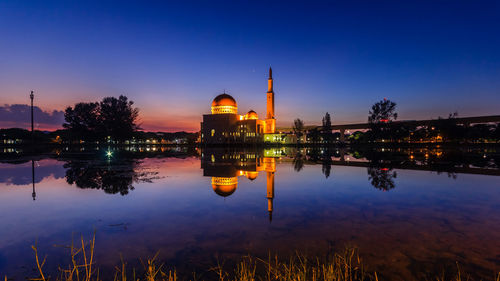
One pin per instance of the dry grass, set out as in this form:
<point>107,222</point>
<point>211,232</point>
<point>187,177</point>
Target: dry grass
<point>83,268</point>
<point>346,266</point>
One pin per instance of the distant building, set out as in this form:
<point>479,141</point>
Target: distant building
<point>226,126</point>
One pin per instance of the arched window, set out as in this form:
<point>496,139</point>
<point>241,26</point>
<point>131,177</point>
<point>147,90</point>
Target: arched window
<point>212,132</point>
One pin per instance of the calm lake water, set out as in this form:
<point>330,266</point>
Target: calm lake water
<point>411,213</point>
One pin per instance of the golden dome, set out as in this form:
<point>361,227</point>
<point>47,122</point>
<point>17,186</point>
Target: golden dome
<point>224,99</point>
<point>223,104</point>
<point>224,186</point>
<point>252,115</point>
<point>252,175</point>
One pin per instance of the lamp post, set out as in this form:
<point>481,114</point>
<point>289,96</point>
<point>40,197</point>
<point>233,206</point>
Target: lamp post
<point>32,96</point>
<point>33,178</point>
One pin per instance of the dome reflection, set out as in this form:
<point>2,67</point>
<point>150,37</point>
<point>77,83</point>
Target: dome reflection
<point>224,186</point>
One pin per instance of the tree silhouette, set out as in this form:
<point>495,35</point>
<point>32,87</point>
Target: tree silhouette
<point>383,111</point>
<point>327,128</point>
<point>82,121</point>
<point>314,135</point>
<point>113,117</point>
<point>298,129</point>
<point>327,122</point>
<point>380,116</point>
<point>118,117</point>
<point>496,133</point>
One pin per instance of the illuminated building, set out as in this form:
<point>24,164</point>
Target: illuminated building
<point>225,126</point>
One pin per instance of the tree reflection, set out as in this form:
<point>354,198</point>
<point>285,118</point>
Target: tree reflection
<point>298,162</point>
<point>326,168</point>
<point>110,176</point>
<point>323,156</point>
<point>382,178</point>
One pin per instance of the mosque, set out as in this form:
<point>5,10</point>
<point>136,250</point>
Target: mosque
<point>226,126</point>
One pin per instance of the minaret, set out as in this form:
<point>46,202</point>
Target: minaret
<point>270,120</point>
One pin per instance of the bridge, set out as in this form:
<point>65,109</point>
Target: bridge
<point>465,121</point>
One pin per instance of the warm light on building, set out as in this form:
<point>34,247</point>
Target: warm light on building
<point>224,104</point>
<point>224,172</point>
<point>224,186</point>
<point>225,126</point>
<point>251,115</point>
<point>222,109</point>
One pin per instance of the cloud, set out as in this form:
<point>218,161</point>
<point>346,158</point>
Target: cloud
<point>20,174</point>
<point>18,115</point>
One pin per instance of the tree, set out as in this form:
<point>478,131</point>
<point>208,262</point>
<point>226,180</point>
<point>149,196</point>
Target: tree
<point>298,129</point>
<point>82,121</point>
<point>357,137</point>
<point>327,122</point>
<point>113,117</point>
<point>327,128</point>
<point>118,117</point>
<point>447,128</point>
<point>383,111</point>
<point>314,135</point>
<point>497,132</point>
<point>380,117</point>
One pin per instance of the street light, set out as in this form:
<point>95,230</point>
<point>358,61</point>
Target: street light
<point>32,96</point>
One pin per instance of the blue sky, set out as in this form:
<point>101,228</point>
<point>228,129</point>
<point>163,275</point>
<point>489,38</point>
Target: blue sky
<point>173,57</point>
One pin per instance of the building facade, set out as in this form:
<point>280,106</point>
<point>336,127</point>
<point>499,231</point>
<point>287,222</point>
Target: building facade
<point>226,126</point>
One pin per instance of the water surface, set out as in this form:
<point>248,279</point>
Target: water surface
<point>411,212</point>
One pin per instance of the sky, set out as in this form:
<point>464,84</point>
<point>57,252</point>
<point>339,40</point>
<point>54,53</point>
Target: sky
<point>173,57</point>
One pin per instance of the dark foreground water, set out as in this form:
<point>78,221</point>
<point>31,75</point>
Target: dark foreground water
<point>411,212</point>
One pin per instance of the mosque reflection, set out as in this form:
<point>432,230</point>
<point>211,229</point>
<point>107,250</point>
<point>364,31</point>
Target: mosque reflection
<point>119,173</point>
<point>224,166</point>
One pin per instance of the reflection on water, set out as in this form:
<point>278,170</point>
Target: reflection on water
<point>382,178</point>
<point>117,173</point>
<point>298,162</point>
<point>111,175</point>
<point>256,201</point>
<point>33,178</point>
<point>225,166</point>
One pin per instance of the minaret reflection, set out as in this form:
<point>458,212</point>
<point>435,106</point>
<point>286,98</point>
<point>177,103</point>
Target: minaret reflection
<point>270,168</point>
<point>270,193</point>
<point>225,166</point>
<point>33,179</point>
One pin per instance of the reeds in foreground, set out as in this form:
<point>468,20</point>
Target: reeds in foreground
<point>346,266</point>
